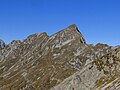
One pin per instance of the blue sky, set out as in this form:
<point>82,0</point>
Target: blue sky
<point>98,20</point>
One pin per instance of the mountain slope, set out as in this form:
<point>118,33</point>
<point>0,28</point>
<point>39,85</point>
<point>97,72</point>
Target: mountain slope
<point>101,74</point>
<point>42,62</point>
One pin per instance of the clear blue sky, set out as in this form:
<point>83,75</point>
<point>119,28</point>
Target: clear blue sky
<point>98,20</point>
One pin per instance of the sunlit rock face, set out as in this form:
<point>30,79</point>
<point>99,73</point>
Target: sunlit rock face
<point>62,61</point>
<point>101,74</point>
<point>2,44</point>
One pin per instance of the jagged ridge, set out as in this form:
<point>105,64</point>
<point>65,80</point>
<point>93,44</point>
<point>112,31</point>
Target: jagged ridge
<point>41,62</point>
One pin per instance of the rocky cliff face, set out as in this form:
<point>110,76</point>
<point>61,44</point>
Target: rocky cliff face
<point>62,61</point>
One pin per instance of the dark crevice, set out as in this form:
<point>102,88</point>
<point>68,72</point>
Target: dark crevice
<point>78,30</point>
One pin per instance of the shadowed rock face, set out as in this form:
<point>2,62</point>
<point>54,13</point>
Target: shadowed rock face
<point>62,61</point>
<point>2,44</point>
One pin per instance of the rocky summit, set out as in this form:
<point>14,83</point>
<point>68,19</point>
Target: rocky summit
<point>62,61</point>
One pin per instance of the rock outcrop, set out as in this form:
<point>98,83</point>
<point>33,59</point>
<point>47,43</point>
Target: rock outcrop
<point>62,61</point>
<point>2,44</point>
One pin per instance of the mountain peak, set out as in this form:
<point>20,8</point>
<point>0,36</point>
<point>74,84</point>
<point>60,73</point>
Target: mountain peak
<point>69,34</point>
<point>73,27</point>
<point>59,62</point>
<point>75,31</point>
